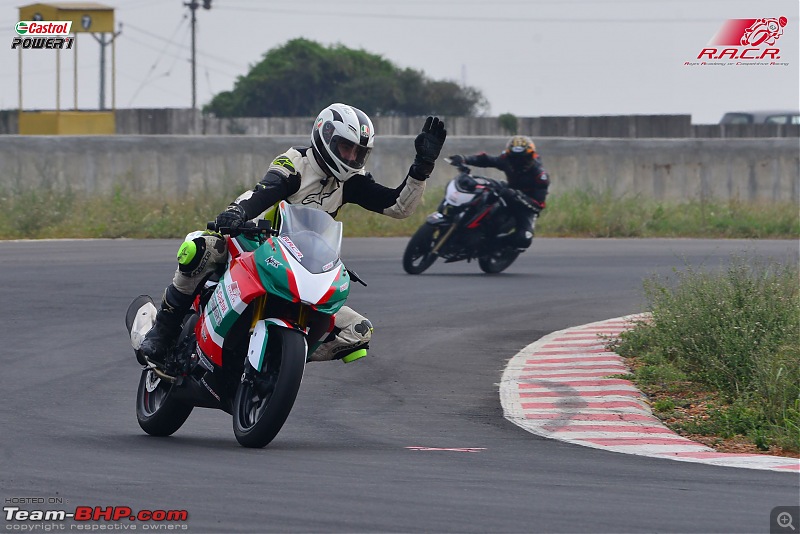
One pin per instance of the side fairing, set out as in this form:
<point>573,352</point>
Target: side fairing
<point>337,293</point>
<point>236,289</point>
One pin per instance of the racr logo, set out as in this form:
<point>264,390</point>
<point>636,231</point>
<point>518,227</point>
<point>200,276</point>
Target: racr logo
<point>741,39</point>
<point>764,30</point>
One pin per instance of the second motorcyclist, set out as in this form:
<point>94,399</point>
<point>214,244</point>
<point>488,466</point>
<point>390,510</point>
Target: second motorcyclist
<point>528,182</point>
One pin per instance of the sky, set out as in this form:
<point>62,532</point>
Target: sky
<point>528,57</point>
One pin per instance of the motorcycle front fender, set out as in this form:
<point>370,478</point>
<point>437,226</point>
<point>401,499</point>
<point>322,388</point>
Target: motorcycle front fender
<point>257,348</point>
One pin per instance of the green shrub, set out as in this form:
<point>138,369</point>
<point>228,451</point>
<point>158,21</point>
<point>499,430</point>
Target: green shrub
<point>509,123</point>
<point>736,332</point>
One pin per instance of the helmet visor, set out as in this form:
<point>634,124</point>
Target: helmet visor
<point>520,159</point>
<point>353,155</point>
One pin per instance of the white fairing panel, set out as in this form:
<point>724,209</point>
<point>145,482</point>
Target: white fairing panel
<point>310,287</point>
<point>144,321</point>
<point>454,197</point>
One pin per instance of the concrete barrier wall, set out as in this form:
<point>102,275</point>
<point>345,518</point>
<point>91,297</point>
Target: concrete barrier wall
<point>765,170</point>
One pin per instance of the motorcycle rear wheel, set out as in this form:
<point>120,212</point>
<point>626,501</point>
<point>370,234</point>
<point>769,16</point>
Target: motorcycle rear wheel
<point>498,262</point>
<point>158,413</point>
<point>265,398</point>
<point>417,257</point>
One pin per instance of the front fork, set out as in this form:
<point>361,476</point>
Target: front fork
<point>437,219</point>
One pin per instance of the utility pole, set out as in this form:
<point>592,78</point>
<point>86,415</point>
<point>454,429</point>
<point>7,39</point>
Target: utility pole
<point>193,5</point>
<point>103,45</point>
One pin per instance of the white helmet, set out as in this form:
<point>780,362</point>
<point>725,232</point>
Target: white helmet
<point>343,137</point>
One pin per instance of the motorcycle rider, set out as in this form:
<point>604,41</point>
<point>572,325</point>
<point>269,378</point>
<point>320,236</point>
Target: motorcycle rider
<point>325,175</point>
<point>527,184</point>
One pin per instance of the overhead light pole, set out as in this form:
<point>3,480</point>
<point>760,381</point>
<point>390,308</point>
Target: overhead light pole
<point>193,5</point>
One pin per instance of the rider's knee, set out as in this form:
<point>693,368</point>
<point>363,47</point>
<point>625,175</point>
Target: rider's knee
<point>200,254</point>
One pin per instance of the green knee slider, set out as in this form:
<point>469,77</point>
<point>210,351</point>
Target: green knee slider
<point>355,355</point>
<point>190,254</point>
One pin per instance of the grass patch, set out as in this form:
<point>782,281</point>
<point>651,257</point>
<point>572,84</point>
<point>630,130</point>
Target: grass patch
<point>123,213</point>
<point>720,353</point>
<point>580,213</point>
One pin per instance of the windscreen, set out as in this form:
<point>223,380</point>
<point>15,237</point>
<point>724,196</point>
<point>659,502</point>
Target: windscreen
<point>312,236</point>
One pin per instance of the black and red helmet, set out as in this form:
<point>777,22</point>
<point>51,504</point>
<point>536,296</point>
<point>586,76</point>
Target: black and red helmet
<point>520,152</point>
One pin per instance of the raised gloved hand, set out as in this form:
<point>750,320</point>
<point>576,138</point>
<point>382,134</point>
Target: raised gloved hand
<point>233,217</point>
<point>456,160</point>
<point>428,144</point>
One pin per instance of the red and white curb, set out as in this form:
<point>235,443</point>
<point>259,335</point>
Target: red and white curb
<point>559,387</point>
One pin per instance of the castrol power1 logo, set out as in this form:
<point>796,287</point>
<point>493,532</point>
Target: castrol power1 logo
<point>41,28</point>
<point>54,34</point>
<point>745,42</point>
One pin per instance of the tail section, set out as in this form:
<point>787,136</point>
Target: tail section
<point>139,320</point>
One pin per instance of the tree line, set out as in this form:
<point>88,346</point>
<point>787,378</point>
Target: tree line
<point>302,77</point>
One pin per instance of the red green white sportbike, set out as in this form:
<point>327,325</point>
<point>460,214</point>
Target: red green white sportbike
<point>247,339</point>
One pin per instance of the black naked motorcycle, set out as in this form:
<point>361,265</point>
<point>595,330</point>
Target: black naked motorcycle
<point>471,222</point>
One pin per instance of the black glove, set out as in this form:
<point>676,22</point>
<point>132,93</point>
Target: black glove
<point>457,160</point>
<point>516,197</point>
<point>428,144</point>
<point>508,194</point>
<point>233,217</point>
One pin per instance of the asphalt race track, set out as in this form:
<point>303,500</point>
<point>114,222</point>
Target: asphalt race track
<point>345,460</point>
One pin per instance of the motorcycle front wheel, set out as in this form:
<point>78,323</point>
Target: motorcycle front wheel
<point>158,413</point>
<point>498,261</point>
<point>418,257</point>
<point>265,397</point>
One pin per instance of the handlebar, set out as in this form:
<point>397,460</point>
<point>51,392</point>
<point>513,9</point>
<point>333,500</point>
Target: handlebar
<point>494,185</point>
<point>249,229</point>
<point>460,166</point>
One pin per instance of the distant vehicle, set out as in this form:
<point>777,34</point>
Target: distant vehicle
<point>761,117</point>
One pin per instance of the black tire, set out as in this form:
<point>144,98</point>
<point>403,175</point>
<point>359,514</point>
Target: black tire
<point>498,262</point>
<point>263,403</point>
<point>157,412</point>
<point>417,257</point>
